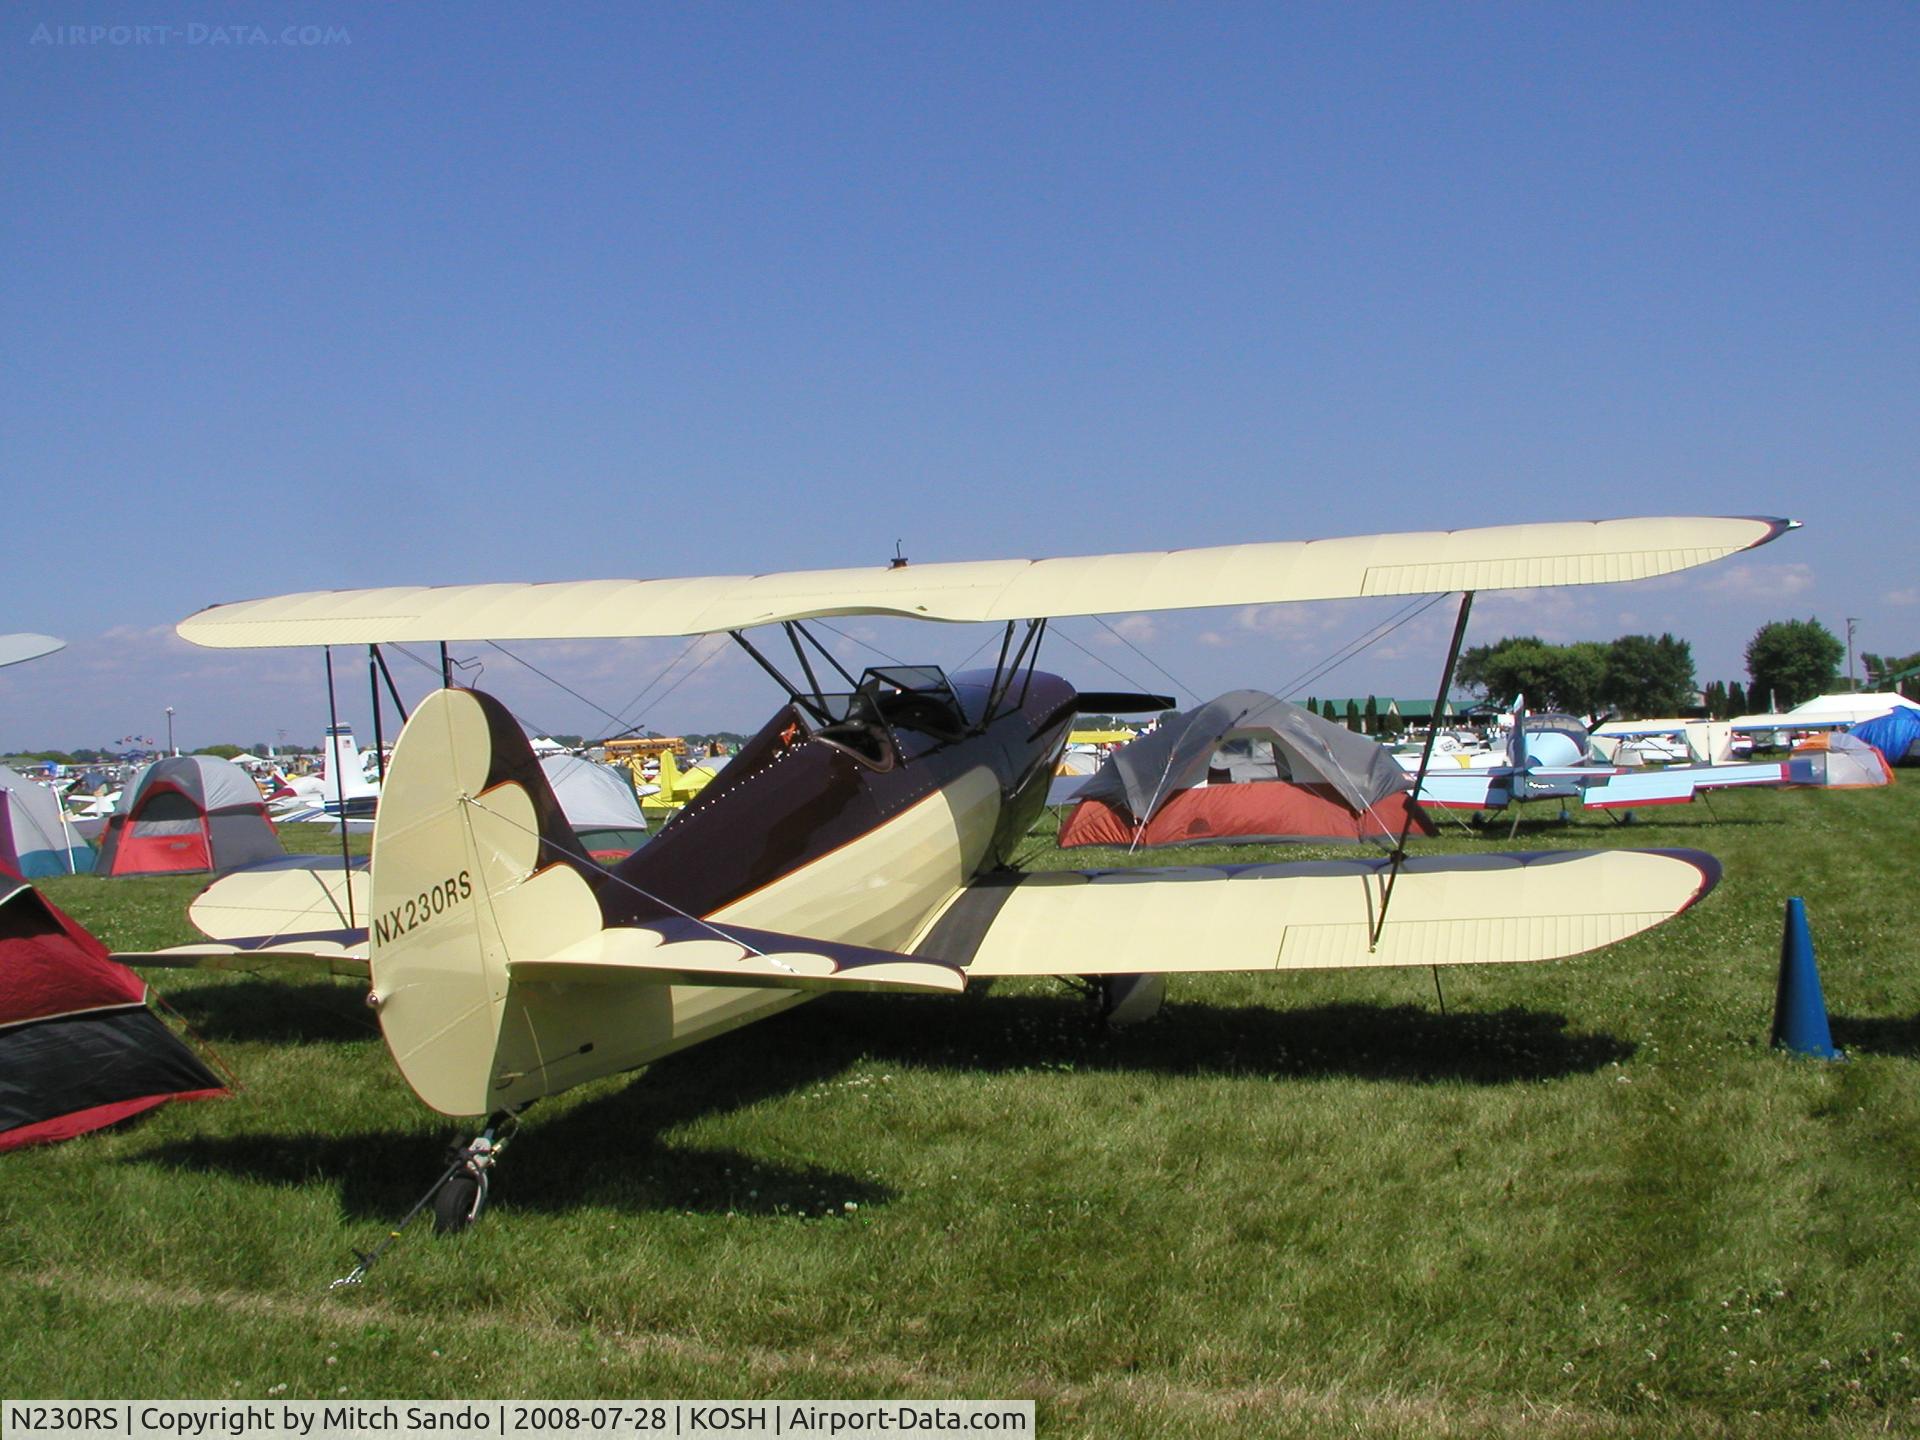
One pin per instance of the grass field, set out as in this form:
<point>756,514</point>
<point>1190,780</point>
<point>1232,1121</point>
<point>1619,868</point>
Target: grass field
<point>1585,1200</point>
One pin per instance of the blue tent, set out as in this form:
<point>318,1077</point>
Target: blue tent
<point>1893,734</point>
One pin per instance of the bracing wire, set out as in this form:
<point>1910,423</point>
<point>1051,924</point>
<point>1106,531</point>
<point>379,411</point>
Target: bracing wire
<point>1188,689</point>
<point>556,682</point>
<point>1102,660</point>
<point>621,724</point>
<point>1407,613</point>
<point>692,644</point>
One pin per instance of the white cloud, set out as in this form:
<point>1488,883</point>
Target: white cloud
<point>1755,581</point>
<point>1140,629</point>
<point>1909,596</point>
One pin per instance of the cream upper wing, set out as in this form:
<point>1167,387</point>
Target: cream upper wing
<point>1446,910</point>
<point>1493,558</point>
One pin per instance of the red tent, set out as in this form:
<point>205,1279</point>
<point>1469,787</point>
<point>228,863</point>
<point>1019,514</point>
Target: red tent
<point>79,1049</point>
<point>185,813</point>
<point>1265,810</point>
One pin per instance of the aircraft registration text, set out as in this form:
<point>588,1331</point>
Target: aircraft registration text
<point>416,910</point>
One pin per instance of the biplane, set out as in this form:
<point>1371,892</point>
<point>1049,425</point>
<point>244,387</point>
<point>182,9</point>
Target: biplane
<point>863,838</point>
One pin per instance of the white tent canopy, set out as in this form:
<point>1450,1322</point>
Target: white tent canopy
<point>1827,712</point>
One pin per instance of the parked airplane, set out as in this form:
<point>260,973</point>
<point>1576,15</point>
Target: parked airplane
<point>863,838</point>
<point>1550,756</point>
<point>341,788</point>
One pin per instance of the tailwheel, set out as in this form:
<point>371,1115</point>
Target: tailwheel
<point>456,1199</point>
<point>458,1202</point>
<point>460,1198</point>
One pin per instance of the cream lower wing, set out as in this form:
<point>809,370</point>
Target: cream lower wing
<point>1446,910</point>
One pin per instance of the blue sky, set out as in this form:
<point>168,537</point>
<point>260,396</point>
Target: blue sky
<point>446,293</point>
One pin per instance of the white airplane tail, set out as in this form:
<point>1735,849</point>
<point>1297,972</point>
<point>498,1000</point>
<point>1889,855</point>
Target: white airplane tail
<point>473,865</point>
<point>495,974</point>
<point>343,769</point>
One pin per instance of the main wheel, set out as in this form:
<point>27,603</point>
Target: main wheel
<point>458,1202</point>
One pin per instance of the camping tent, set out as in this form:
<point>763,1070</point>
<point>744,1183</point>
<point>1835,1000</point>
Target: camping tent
<point>35,836</point>
<point>189,812</point>
<point>1838,761</point>
<point>79,1049</point>
<point>1895,734</point>
<point>1244,767</point>
<point>600,805</point>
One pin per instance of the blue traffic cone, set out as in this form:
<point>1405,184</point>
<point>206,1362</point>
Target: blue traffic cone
<point>1799,1009</point>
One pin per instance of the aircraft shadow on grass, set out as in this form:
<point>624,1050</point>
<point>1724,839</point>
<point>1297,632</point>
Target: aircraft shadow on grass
<point>278,1011</point>
<point>1359,1040</point>
<point>612,1150</point>
<point>1877,1034</point>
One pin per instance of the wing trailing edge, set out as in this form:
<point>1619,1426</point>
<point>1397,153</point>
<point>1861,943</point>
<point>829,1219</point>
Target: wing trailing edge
<point>344,956</point>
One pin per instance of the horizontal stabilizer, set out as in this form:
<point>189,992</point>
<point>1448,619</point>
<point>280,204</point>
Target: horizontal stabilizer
<point>1122,702</point>
<point>283,900</point>
<point>1677,784</point>
<point>1446,910</point>
<point>686,952</point>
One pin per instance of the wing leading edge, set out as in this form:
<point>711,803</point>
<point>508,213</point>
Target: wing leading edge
<point>1492,558</point>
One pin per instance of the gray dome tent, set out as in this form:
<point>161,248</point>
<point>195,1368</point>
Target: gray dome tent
<point>1199,777</point>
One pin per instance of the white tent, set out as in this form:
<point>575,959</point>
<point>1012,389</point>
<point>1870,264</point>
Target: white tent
<point>1827,712</point>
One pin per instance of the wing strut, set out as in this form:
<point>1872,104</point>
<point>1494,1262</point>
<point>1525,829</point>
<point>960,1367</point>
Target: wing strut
<point>806,702</point>
<point>1004,674</point>
<point>339,780</point>
<point>1426,754</point>
<point>813,700</point>
<point>376,672</point>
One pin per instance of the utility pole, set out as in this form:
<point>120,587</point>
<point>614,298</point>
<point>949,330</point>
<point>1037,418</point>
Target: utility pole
<point>1852,620</point>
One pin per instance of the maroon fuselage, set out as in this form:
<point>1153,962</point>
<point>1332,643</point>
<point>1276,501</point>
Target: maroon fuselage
<point>799,790</point>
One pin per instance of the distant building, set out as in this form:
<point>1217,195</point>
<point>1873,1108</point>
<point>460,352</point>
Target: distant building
<point>1406,712</point>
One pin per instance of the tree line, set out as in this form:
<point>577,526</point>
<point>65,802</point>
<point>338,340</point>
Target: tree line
<point>1637,676</point>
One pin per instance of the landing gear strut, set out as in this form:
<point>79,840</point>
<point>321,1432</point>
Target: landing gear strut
<point>1123,1000</point>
